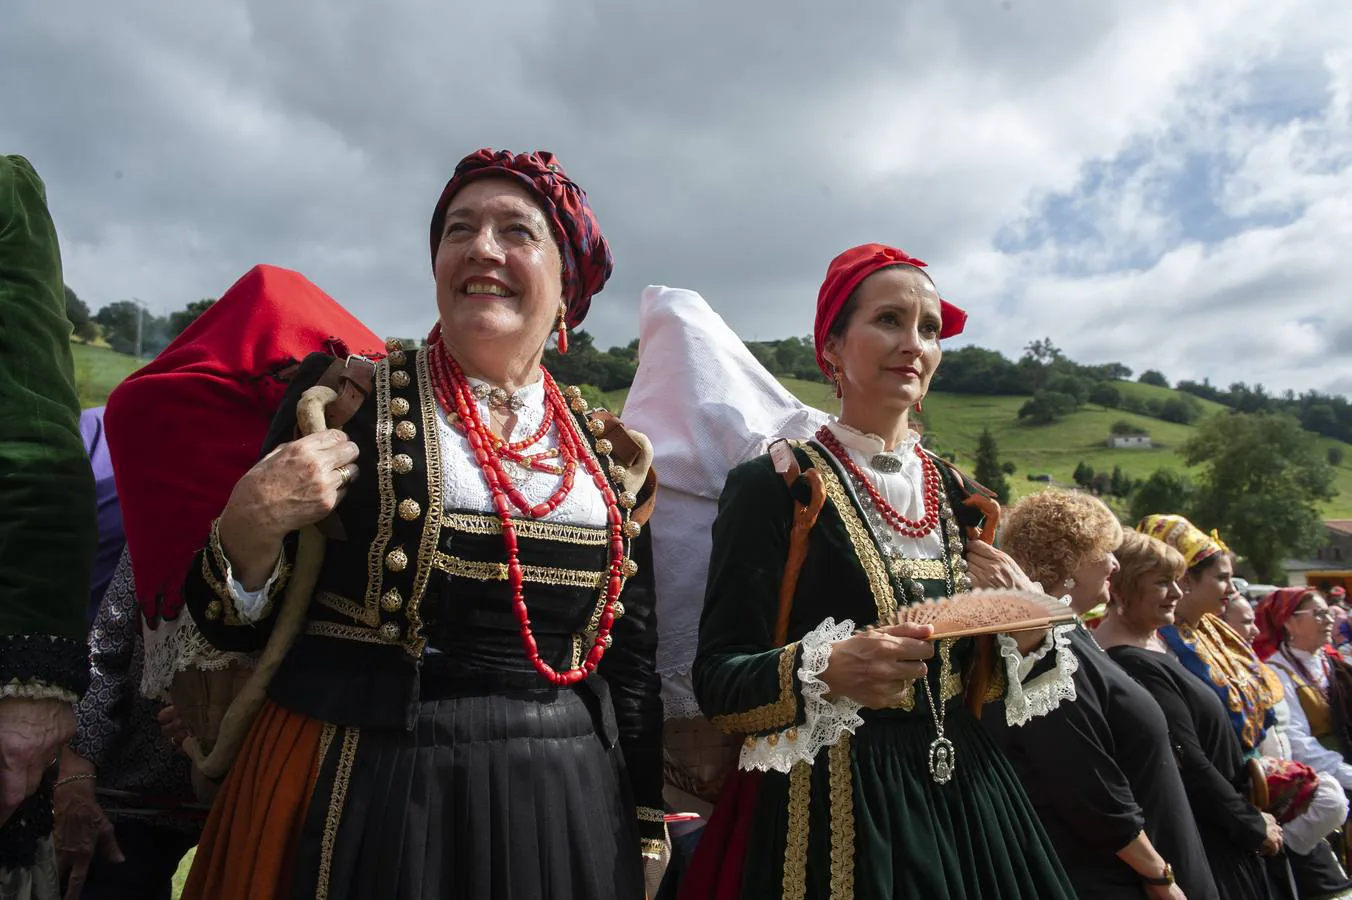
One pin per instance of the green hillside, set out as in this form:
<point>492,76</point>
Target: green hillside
<point>953,420</point>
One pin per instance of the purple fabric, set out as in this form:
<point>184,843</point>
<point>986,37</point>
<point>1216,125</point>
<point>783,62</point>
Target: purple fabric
<point>111,537</point>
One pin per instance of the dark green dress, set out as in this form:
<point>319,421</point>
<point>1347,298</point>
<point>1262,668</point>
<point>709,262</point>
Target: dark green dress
<point>864,816</point>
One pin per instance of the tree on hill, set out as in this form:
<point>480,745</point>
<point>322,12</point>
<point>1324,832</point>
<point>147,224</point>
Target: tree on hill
<point>1165,491</point>
<point>1105,394</point>
<point>1262,481</point>
<point>130,329</point>
<point>1084,475</point>
<point>1046,407</point>
<point>179,321</point>
<point>1119,485</point>
<point>988,470</point>
<point>1151,376</point>
<point>976,370</point>
<point>1180,409</point>
<point>78,313</point>
<point>1123,427</point>
<point>1335,455</point>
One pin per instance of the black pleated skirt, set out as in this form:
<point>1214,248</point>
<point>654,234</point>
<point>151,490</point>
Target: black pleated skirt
<point>516,794</point>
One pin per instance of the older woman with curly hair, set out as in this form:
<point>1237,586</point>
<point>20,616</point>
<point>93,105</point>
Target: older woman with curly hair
<point>1100,770</point>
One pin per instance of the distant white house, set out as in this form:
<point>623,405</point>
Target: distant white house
<point>1129,441</point>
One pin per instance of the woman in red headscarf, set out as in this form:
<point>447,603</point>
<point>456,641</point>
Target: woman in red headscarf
<point>864,772</point>
<point>472,707</point>
<point>1295,631</point>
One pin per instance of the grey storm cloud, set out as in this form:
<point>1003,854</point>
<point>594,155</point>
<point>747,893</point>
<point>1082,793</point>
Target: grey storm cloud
<point>729,148</point>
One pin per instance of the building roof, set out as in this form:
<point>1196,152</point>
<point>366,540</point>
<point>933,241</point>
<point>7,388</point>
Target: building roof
<point>1342,526</point>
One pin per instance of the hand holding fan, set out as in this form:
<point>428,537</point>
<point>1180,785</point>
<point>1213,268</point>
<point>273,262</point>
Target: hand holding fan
<point>991,611</point>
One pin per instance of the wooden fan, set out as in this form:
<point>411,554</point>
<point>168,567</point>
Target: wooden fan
<point>992,611</point>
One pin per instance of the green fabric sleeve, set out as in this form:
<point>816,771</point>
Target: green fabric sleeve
<point>744,683</point>
<point>48,528</point>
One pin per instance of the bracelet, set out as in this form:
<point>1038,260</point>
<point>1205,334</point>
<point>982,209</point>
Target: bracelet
<point>69,778</point>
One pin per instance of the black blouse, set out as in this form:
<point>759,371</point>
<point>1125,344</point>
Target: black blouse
<point>1213,769</point>
<point>1100,770</point>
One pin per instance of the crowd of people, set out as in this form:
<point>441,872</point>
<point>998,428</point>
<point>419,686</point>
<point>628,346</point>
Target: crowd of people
<point>361,620</point>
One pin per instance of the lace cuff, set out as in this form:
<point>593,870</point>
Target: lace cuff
<point>1025,702</point>
<point>824,721</point>
<point>36,690</point>
<point>253,605</point>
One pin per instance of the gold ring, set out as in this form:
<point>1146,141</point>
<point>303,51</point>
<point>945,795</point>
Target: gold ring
<point>345,474</point>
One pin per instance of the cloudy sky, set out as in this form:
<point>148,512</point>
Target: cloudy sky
<point>1165,183</point>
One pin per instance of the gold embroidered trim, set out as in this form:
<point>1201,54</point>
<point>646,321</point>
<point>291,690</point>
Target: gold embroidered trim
<point>653,848</point>
<point>779,714</point>
<point>325,739</point>
<point>375,558</point>
<point>345,632</point>
<point>794,886</point>
<point>906,703</point>
<point>920,569</point>
<point>528,528</point>
<point>841,767</point>
<point>864,548</point>
<point>350,608</point>
<point>489,571</point>
<point>414,641</point>
<point>346,756</point>
<point>648,814</point>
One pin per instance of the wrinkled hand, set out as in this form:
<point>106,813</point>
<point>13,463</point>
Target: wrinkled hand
<point>81,826</point>
<point>992,568</point>
<point>31,732</point>
<point>172,726</point>
<point>1272,845</point>
<point>297,484</point>
<point>874,667</point>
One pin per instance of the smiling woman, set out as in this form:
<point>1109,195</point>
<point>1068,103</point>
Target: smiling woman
<point>472,709</point>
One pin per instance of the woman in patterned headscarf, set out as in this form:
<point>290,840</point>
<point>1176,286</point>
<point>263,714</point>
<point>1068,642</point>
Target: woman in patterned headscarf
<point>472,709</point>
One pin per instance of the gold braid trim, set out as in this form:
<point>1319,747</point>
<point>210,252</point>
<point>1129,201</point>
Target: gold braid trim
<point>920,569</point>
<point>780,714</point>
<point>841,766</point>
<point>375,557</point>
<point>794,886</point>
<point>347,754</point>
<point>431,429</point>
<point>864,548</point>
<point>467,523</point>
<point>492,571</point>
<point>950,682</point>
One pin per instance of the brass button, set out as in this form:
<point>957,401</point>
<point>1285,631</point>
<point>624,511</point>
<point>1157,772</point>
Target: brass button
<point>399,378</point>
<point>578,404</point>
<point>627,500</point>
<point>596,426</point>
<point>214,610</point>
<point>572,392</point>
<point>617,473</point>
<point>398,358</point>
<point>617,610</point>
<point>393,344</point>
<point>398,407</point>
<point>604,446</point>
<point>406,430</point>
<point>632,529</point>
<point>390,632</point>
<point>629,568</point>
<point>607,641</point>
<point>402,464</point>
<point>772,739</point>
<point>409,510</point>
<point>392,600</point>
<point>396,560</point>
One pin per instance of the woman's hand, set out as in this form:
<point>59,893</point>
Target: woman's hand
<point>81,827</point>
<point>297,484</point>
<point>874,667</point>
<point>1272,845</point>
<point>992,568</point>
<point>172,726</point>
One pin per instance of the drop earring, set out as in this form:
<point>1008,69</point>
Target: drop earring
<point>919,406</point>
<point>563,329</point>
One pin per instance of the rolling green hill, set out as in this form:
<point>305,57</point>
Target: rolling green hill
<point>953,420</point>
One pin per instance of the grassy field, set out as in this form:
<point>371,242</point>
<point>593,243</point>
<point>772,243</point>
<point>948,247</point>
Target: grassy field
<point>954,421</point>
<point>98,370</point>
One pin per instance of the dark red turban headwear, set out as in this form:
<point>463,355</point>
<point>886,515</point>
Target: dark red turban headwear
<point>586,255</point>
<point>183,429</point>
<point>845,274</point>
<point>1271,616</point>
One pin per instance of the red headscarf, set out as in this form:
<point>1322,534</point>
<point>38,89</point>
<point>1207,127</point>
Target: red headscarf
<point>586,255</point>
<point>183,429</point>
<point>1271,616</point>
<point>845,274</point>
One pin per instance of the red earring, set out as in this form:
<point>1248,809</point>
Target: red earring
<point>563,331</point>
<point>919,406</point>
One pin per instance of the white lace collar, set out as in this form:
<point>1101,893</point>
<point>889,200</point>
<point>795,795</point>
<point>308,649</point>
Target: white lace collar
<point>867,444</point>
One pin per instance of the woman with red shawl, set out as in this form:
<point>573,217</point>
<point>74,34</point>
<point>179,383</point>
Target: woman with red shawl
<point>1295,636</point>
<point>472,709</point>
<point>864,772</point>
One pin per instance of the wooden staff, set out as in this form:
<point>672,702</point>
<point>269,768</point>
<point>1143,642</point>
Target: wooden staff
<point>979,681</point>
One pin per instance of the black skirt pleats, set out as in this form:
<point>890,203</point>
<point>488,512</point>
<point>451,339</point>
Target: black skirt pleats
<point>519,794</point>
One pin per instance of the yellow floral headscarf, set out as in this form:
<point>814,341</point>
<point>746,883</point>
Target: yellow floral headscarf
<point>1195,545</point>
